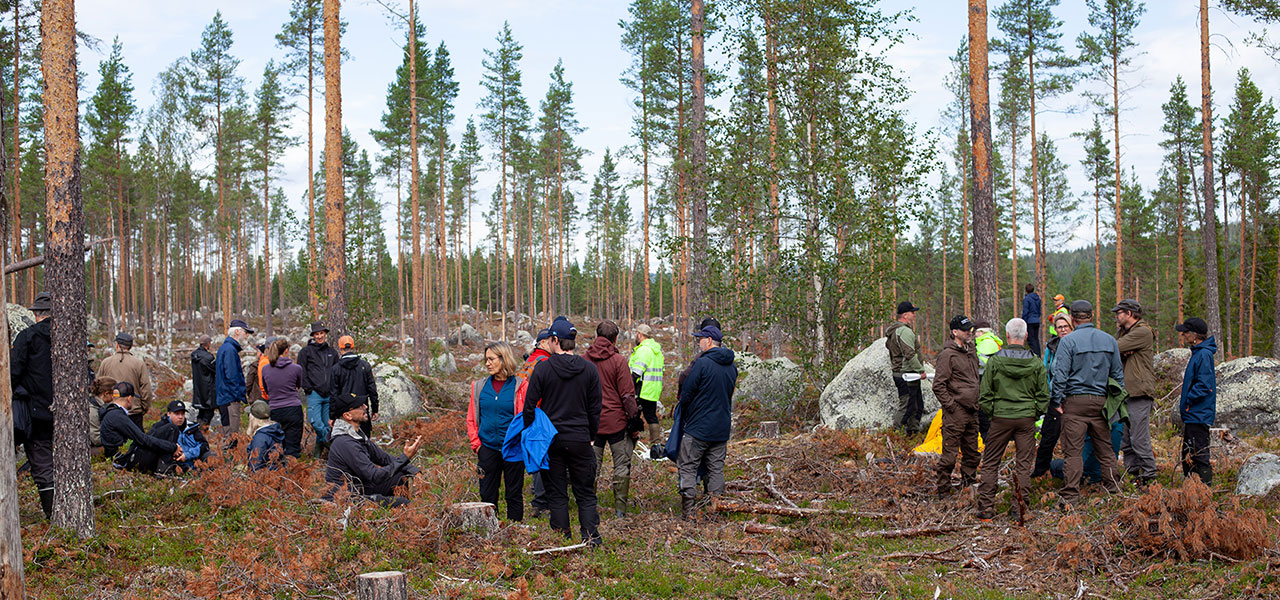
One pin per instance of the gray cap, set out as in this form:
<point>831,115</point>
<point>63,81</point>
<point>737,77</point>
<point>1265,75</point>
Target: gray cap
<point>1128,304</point>
<point>1081,306</point>
<point>124,339</point>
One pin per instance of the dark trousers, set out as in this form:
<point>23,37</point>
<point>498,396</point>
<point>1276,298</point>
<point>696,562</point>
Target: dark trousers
<point>290,419</point>
<point>1033,338</point>
<point>539,490</point>
<point>1081,418</point>
<point>959,435</point>
<point>493,472</point>
<point>572,463</point>
<point>650,410</point>
<point>39,449</point>
<point>1022,432</point>
<point>205,416</point>
<point>1195,452</point>
<point>1049,431</point>
<point>910,403</point>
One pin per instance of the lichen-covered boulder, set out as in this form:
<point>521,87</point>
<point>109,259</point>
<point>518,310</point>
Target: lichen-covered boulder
<point>398,396</point>
<point>863,396</point>
<point>773,383</point>
<point>19,318</point>
<point>444,364</point>
<point>1259,475</point>
<point>1249,395</point>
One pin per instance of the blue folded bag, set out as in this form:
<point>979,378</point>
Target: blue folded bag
<point>529,445</point>
<point>677,431</point>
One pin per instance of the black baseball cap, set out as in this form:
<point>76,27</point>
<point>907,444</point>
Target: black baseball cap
<point>1194,325</point>
<point>709,322</point>
<point>242,325</point>
<point>710,331</point>
<point>346,402</point>
<point>317,327</point>
<point>906,307</point>
<point>563,329</point>
<point>177,406</point>
<point>124,389</point>
<point>124,339</point>
<point>962,323</point>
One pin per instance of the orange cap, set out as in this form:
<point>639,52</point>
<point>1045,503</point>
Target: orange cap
<point>1059,297</point>
<point>346,342</point>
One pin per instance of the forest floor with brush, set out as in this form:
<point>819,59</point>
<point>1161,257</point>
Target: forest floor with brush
<point>866,525</point>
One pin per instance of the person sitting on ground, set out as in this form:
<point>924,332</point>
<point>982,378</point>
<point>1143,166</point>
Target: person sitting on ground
<point>100,393</point>
<point>117,428</point>
<point>266,446</point>
<point>174,427</point>
<point>359,464</point>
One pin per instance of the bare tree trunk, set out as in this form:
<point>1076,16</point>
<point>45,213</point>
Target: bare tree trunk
<point>1209,233</point>
<point>421,355</point>
<point>698,163</point>
<point>775,238</point>
<point>984,213</point>
<point>73,488</point>
<point>1038,254</point>
<point>335,276</point>
<point>11,568</point>
<point>313,268</point>
<point>1115,94</point>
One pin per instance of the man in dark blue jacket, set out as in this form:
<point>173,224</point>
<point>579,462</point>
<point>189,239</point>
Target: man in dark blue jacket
<point>1031,314</point>
<point>1199,398</point>
<point>228,377</point>
<point>706,401</point>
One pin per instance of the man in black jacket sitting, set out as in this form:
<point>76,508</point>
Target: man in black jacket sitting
<point>356,462</point>
<point>117,428</point>
<point>567,388</point>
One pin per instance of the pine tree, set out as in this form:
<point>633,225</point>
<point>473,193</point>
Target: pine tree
<point>558,125</point>
<point>506,118</point>
<point>335,277</point>
<point>1181,127</point>
<point>214,85</point>
<point>270,119</point>
<point>698,301</point>
<point>984,221</point>
<point>1032,38</point>
<point>1097,163</point>
<point>442,90</point>
<point>111,110</point>
<point>73,488</point>
<point>1209,228</point>
<point>1108,52</point>
<point>469,163</point>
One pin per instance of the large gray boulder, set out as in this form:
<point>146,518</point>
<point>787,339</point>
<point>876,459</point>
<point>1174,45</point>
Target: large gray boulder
<point>1171,364</point>
<point>524,340</point>
<point>19,318</point>
<point>444,364</point>
<point>469,335</point>
<point>773,383</point>
<point>1249,395</point>
<point>1259,475</point>
<point>863,396</point>
<point>398,396</point>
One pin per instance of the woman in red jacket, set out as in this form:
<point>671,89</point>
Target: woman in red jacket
<point>495,400</point>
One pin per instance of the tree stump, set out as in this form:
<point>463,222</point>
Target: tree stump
<point>481,517</point>
<point>768,429</point>
<point>382,585</point>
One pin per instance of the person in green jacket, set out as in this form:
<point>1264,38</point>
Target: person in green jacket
<point>907,369</point>
<point>646,369</point>
<point>1013,394</point>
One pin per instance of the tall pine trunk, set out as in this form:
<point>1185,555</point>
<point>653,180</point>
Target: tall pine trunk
<point>1209,232</point>
<point>1115,107</point>
<point>11,557</point>
<point>64,268</point>
<point>313,269</point>
<point>1037,240</point>
<point>421,354</point>
<point>698,163</point>
<point>335,275</point>
<point>984,214</point>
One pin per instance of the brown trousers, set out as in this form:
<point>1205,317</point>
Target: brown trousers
<point>1083,415</point>
<point>1022,432</point>
<point>959,435</point>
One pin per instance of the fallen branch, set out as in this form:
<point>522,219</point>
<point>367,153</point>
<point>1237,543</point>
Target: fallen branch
<point>36,261</point>
<point>982,560</point>
<point>771,487</point>
<point>560,549</point>
<point>761,528</point>
<point>728,506</point>
<point>910,532</point>
<point>745,551</point>
<point>936,555</point>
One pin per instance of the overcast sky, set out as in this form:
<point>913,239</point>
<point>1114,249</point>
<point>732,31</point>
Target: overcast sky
<point>586,36</point>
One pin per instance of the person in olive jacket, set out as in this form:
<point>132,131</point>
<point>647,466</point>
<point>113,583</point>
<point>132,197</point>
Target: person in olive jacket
<point>955,384</point>
<point>1014,393</point>
<point>1137,341</point>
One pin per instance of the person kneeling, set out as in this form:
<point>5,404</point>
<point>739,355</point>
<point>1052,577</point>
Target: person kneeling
<point>117,428</point>
<point>174,427</point>
<point>358,463</point>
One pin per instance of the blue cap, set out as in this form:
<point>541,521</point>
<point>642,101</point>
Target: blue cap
<point>563,329</point>
<point>710,331</point>
<point>542,335</point>
<point>242,325</point>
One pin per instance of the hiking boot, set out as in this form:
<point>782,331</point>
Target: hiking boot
<point>46,503</point>
<point>984,516</point>
<point>538,512</point>
<point>621,492</point>
<point>686,507</point>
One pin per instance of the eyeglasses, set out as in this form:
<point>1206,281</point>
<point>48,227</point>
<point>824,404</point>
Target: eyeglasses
<point>489,359</point>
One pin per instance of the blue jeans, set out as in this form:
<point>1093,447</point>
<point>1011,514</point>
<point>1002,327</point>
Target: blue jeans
<point>318,416</point>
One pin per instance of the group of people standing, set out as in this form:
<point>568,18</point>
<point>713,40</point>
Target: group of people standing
<point>564,410</point>
<point>1088,388</point>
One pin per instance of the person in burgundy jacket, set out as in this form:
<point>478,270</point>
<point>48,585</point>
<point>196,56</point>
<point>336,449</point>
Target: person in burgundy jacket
<point>619,415</point>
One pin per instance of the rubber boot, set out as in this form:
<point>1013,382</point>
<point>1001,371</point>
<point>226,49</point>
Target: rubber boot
<point>656,447</point>
<point>599,450</point>
<point>686,507</point>
<point>46,503</point>
<point>621,493</point>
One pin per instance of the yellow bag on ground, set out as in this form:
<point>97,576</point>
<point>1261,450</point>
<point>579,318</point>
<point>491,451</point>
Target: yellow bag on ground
<point>933,440</point>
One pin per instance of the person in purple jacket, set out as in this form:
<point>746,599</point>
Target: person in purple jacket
<point>281,378</point>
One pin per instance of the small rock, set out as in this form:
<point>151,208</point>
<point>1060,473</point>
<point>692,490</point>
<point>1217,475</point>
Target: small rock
<point>1259,475</point>
<point>469,335</point>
